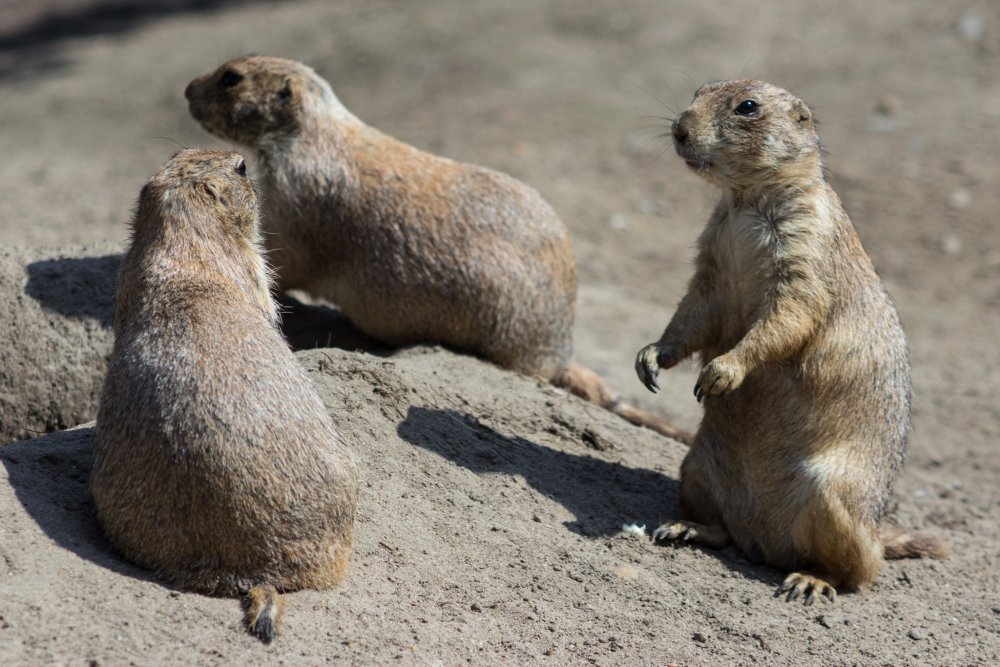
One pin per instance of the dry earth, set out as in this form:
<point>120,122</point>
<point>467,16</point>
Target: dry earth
<point>489,525</point>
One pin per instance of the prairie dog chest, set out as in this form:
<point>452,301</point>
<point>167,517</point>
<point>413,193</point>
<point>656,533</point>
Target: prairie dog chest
<point>743,247</point>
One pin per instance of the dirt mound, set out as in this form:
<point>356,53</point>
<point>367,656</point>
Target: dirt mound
<point>489,529</point>
<point>55,337</point>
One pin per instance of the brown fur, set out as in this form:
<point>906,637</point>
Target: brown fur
<point>215,462</point>
<point>411,246</point>
<point>898,543</point>
<point>806,379</point>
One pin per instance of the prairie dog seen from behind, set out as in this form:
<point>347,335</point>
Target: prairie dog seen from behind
<point>215,461</point>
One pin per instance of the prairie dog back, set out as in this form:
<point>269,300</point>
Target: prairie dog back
<point>216,463</point>
<point>412,247</point>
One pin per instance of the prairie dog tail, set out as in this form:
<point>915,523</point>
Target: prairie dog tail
<point>897,543</point>
<point>263,607</point>
<point>587,384</point>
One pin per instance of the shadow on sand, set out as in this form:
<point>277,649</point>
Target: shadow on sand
<point>31,47</point>
<point>49,476</point>
<point>84,288</point>
<point>76,287</point>
<point>602,495</point>
<point>308,326</point>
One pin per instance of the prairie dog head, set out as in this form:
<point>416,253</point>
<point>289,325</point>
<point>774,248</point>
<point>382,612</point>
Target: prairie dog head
<point>200,209</point>
<point>200,187</point>
<point>739,134</point>
<point>256,100</point>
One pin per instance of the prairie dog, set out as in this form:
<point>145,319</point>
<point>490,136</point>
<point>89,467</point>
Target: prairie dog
<point>806,377</point>
<point>215,461</point>
<point>412,247</point>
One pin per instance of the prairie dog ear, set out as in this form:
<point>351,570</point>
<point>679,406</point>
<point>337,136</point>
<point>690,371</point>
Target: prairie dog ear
<point>804,115</point>
<point>285,92</point>
<point>209,188</point>
<point>216,193</point>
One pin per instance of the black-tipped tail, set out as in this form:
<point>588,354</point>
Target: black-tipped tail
<point>263,608</point>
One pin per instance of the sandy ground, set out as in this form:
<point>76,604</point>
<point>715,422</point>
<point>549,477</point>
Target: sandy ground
<point>489,527</point>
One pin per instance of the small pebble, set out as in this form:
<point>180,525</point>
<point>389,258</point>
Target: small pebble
<point>700,637</point>
<point>619,222</point>
<point>916,634</point>
<point>959,199</point>
<point>824,621</point>
<point>880,122</point>
<point>951,244</point>
<point>476,608</point>
<point>888,105</point>
<point>634,530</point>
<point>970,27</point>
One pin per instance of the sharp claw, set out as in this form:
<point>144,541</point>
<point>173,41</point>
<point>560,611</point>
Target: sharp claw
<point>647,374</point>
<point>812,589</point>
<point>673,532</point>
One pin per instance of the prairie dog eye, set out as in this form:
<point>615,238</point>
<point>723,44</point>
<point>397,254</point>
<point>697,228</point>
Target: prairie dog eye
<point>747,108</point>
<point>230,79</point>
<point>241,168</point>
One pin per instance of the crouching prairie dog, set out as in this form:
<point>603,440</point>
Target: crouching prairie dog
<point>411,246</point>
<point>805,379</point>
<point>215,461</point>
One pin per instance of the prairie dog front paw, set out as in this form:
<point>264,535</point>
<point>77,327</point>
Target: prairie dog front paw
<point>720,376</point>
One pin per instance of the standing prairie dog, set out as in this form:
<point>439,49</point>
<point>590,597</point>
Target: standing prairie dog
<point>215,462</point>
<point>806,378</point>
<point>411,246</point>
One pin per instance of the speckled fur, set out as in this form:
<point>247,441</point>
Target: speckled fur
<point>806,378</point>
<point>215,461</point>
<point>412,247</point>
